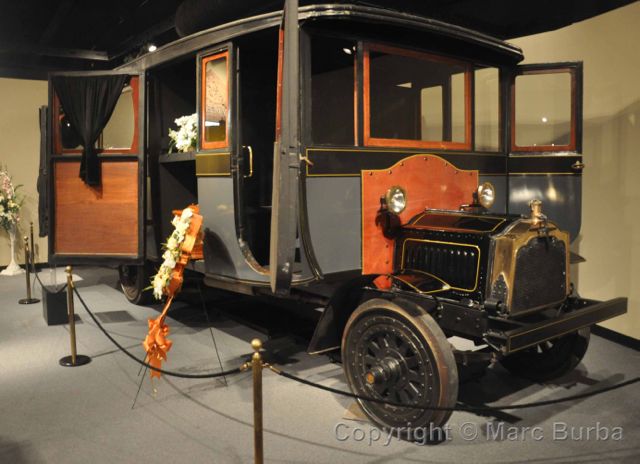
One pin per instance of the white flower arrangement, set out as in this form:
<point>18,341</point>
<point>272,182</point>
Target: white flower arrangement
<point>9,202</point>
<point>184,139</point>
<point>172,252</point>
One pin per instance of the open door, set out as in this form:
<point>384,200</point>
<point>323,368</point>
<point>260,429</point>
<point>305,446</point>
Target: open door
<point>286,161</point>
<point>545,160</point>
<point>99,221</point>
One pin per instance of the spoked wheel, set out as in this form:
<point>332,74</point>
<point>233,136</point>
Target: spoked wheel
<point>550,359</point>
<point>133,281</point>
<point>398,353</point>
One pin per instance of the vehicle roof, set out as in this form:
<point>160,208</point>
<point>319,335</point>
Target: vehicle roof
<point>365,16</point>
<point>499,18</point>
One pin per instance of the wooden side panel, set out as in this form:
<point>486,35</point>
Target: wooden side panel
<point>99,220</point>
<point>430,182</point>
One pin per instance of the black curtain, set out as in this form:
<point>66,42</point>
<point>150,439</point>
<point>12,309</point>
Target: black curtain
<point>88,103</point>
<point>43,196</point>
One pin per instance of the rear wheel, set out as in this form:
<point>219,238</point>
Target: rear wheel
<point>395,351</point>
<point>133,281</point>
<point>550,359</point>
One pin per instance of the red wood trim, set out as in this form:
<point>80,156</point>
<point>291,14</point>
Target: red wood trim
<point>279,83</point>
<point>405,143</point>
<point>55,124</point>
<point>203,103</point>
<point>133,149</point>
<point>574,112</point>
<point>430,182</point>
<point>545,148</point>
<point>468,82</point>
<point>512,111</point>
<point>381,142</point>
<point>355,99</point>
<point>366,97</point>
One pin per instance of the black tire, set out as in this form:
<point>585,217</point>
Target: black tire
<point>551,359</point>
<point>395,351</point>
<point>133,282</point>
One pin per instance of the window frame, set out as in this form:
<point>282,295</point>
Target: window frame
<point>408,143</point>
<point>502,82</point>
<point>575,139</point>
<point>134,82</point>
<point>306,85</point>
<point>203,59</point>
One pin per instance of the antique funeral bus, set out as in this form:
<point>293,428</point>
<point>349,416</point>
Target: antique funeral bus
<point>406,174</point>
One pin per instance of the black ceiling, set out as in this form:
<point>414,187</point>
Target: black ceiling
<point>37,36</point>
<point>40,35</point>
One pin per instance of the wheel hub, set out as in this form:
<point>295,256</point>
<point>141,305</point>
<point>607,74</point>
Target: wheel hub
<point>387,371</point>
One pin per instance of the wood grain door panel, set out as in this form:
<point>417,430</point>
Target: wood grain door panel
<point>99,220</point>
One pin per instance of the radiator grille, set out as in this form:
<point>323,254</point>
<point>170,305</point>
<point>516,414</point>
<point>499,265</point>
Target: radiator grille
<point>456,264</point>
<point>540,274</point>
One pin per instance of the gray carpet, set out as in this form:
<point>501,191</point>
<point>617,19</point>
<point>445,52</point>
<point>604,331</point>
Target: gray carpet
<point>52,414</point>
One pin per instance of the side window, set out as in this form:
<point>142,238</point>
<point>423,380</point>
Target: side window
<point>487,109</point>
<point>333,91</point>
<point>120,135</point>
<point>214,128</point>
<point>416,99</point>
<point>119,131</point>
<point>545,108</point>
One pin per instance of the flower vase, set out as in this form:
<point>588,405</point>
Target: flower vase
<point>13,268</point>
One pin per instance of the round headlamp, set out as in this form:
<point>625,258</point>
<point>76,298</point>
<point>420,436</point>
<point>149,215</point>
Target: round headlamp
<point>396,199</point>
<point>486,195</point>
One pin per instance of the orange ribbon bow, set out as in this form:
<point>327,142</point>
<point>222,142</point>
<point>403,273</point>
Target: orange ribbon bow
<point>157,344</point>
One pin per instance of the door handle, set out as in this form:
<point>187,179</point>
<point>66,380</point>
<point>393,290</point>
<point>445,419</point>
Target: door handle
<point>578,165</point>
<point>250,150</point>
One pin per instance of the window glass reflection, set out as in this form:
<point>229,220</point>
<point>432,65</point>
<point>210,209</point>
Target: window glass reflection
<point>216,100</point>
<point>543,109</point>
<point>487,109</point>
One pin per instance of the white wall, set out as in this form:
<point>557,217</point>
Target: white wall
<point>20,153</point>
<point>610,235</point>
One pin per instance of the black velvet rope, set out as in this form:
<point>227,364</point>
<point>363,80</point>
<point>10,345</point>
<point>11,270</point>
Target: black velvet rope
<point>459,406</point>
<point>145,364</point>
<point>44,288</point>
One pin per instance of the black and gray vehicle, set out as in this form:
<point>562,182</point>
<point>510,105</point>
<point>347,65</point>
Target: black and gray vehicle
<point>406,173</point>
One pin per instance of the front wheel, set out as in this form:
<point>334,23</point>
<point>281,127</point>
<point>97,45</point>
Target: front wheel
<point>550,359</point>
<point>395,351</point>
<point>133,281</point>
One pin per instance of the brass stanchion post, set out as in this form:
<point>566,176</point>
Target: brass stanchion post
<point>75,359</point>
<point>32,255</point>
<point>256,368</point>
<point>27,255</point>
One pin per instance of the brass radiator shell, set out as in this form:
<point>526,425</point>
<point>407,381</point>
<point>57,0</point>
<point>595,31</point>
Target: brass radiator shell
<point>503,268</point>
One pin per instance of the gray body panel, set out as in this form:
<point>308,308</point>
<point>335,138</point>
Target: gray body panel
<point>225,258</point>
<point>334,210</point>
<point>561,197</point>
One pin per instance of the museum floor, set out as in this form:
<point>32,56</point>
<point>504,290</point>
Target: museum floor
<point>52,414</point>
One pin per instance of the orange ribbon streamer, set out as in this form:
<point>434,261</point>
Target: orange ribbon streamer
<point>156,343</point>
